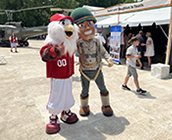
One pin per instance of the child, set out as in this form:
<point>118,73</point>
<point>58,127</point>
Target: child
<point>132,55</point>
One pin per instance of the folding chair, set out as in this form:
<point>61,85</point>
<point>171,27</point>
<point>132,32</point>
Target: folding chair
<point>2,59</point>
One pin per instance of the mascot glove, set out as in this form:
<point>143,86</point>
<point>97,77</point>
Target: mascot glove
<point>110,62</point>
<point>59,49</point>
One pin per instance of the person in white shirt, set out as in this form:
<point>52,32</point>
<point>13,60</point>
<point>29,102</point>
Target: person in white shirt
<point>14,42</point>
<point>132,55</point>
<point>108,43</point>
<point>100,37</point>
<point>149,48</point>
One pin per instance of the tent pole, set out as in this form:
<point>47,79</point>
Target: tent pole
<point>163,31</point>
<point>118,19</point>
<point>169,41</point>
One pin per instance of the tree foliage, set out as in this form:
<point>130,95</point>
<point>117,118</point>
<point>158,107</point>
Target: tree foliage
<point>41,17</point>
<point>103,3</point>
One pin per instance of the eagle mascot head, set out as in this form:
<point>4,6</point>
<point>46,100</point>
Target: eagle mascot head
<point>62,29</point>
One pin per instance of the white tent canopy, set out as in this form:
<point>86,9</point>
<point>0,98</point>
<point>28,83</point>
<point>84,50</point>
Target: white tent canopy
<point>158,13</point>
<point>109,21</point>
<point>91,8</point>
<point>114,20</point>
<point>146,18</point>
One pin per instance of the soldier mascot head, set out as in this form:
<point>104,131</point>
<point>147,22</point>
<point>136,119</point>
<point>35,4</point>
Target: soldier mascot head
<point>85,21</point>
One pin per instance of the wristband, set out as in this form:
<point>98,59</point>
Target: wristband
<point>53,54</point>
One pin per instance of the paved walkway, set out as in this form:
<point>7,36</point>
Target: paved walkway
<point>24,92</point>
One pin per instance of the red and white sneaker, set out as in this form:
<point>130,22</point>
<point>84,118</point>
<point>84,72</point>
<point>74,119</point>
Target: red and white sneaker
<point>68,117</point>
<point>53,126</point>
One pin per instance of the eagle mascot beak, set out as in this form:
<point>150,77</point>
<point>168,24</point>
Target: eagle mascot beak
<point>69,31</point>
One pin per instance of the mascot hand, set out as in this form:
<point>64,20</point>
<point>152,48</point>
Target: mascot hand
<point>60,48</point>
<point>110,63</point>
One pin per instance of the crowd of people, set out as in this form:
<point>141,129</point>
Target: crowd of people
<point>145,47</point>
<point>134,49</point>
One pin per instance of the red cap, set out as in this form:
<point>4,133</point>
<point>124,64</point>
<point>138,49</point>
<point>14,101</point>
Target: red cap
<point>58,17</point>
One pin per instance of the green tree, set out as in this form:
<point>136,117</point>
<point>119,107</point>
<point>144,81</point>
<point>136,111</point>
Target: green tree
<point>129,1</point>
<point>68,4</point>
<point>132,1</point>
<point>30,18</point>
<point>103,3</point>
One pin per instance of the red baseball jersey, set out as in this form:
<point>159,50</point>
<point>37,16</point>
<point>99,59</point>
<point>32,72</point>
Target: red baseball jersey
<point>61,67</point>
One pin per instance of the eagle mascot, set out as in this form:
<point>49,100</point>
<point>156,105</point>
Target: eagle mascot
<point>58,53</point>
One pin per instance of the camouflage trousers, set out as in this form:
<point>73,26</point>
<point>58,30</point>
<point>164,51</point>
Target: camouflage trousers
<point>99,81</point>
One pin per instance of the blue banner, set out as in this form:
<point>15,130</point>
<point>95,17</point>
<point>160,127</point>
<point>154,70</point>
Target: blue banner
<point>95,26</point>
<point>115,43</point>
<point>116,29</point>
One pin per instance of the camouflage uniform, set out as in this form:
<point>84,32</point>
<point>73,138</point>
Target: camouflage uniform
<point>90,64</point>
<point>90,51</point>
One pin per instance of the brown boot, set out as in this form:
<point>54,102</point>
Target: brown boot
<point>84,109</point>
<point>106,109</point>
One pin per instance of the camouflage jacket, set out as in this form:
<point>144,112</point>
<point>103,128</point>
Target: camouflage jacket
<point>89,53</point>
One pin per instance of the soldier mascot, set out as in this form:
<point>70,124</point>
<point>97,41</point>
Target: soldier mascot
<point>89,49</point>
